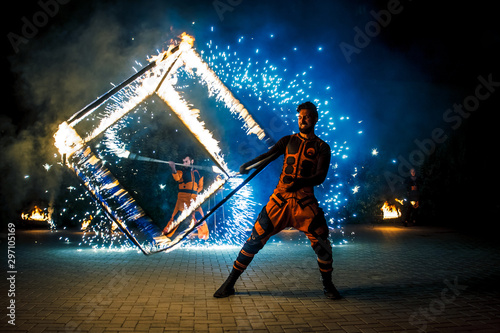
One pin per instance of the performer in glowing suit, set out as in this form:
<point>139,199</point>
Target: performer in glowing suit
<point>190,184</point>
<point>292,204</point>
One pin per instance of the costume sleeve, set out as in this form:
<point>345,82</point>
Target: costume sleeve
<point>277,150</point>
<point>323,166</point>
<point>177,176</point>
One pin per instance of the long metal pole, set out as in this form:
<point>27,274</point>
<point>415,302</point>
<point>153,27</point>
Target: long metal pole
<point>89,108</point>
<point>133,156</point>
<point>259,167</point>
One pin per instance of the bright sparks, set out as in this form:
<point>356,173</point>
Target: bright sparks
<point>269,85</point>
<point>157,78</point>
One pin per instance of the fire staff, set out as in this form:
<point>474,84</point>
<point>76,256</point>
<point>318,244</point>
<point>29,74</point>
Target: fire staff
<point>190,184</point>
<point>293,203</point>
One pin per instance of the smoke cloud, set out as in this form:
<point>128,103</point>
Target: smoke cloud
<point>56,73</point>
<point>398,83</point>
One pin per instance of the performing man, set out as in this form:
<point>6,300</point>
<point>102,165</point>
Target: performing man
<point>190,184</point>
<point>292,204</point>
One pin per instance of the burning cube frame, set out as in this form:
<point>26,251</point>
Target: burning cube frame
<point>156,79</point>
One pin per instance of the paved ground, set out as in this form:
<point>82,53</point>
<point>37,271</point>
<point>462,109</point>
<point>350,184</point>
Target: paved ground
<point>393,279</point>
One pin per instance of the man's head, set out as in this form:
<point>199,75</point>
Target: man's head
<point>187,161</point>
<point>308,117</point>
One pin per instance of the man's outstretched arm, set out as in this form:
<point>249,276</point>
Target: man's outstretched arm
<point>278,149</point>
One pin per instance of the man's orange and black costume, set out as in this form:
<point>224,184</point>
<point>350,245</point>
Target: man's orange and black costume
<point>190,184</point>
<point>293,204</point>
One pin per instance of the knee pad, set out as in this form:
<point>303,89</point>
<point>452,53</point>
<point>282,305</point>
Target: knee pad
<point>261,232</point>
<point>323,250</point>
<point>318,226</point>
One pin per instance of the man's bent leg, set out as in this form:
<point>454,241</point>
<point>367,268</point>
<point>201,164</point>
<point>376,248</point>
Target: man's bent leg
<point>262,230</point>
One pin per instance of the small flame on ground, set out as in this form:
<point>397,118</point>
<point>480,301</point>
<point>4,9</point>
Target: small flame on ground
<point>37,214</point>
<point>86,223</point>
<point>390,211</point>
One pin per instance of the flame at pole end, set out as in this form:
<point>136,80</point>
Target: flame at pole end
<point>187,41</point>
<point>67,140</point>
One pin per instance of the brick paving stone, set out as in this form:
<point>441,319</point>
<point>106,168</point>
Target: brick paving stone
<point>393,279</point>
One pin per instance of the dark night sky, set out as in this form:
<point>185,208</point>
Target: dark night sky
<point>427,58</point>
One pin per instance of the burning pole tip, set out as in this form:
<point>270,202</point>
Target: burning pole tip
<point>67,140</point>
<point>187,42</point>
<point>187,39</point>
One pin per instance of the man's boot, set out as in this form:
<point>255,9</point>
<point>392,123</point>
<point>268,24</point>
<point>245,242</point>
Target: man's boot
<point>328,287</point>
<point>227,288</point>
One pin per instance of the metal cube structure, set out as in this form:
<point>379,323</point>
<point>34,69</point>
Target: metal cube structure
<point>74,136</point>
